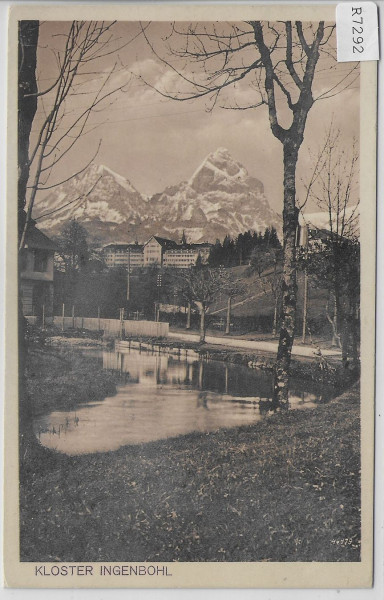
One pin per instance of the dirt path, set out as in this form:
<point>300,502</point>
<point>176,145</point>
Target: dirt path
<point>260,346</point>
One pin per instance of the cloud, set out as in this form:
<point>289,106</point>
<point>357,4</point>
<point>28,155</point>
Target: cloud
<point>156,142</point>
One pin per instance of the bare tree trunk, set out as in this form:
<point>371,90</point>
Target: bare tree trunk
<point>27,104</point>
<point>289,288</point>
<point>274,328</point>
<point>354,337</point>
<point>339,314</point>
<point>333,322</point>
<point>305,306</point>
<point>188,325</point>
<point>202,324</point>
<point>301,54</point>
<point>228,323</point>
<point>344,343</point>
<point>336,335</point>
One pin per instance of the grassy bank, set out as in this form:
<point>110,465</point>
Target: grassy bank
<point>61,379</point>
<point>284,489</point>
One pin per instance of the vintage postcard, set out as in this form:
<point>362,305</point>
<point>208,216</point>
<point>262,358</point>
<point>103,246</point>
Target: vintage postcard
<point>190,298</point>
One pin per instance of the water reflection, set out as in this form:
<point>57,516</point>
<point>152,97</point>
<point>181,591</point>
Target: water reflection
<point>163,395</point>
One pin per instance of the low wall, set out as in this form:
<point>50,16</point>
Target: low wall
<point>149,328</point>
<point>33,320</point>
<point>112,326</point>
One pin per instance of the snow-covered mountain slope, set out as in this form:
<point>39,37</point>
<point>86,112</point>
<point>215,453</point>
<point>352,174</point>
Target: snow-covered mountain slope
<point>220,198</point>
<point>96,197</point>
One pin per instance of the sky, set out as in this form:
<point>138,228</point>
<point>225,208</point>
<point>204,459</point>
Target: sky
<point>155,142</point>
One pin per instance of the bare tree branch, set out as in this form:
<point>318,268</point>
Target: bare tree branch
<point>82,45</point>
<point>279,60</point>
<point>82,198</point>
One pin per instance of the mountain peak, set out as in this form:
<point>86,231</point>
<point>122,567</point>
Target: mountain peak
<point>218,169</point>
<point>220,153</point>
<point>103,170</point>
<point>222,159</point>
<point>220,199</point>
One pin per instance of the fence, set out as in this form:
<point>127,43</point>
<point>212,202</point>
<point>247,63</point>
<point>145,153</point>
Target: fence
<point>173,308</point>
<point>34,320</point>
<point>110,327</point>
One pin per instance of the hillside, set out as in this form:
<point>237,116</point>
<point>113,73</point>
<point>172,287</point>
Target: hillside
<point>257,299</point>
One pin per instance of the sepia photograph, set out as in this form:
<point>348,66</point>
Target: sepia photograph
<point>193,300</point>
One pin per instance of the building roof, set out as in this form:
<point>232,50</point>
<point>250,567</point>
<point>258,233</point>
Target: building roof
<point>322,234</point>
<point>195,247</point>
<point>164,242</point>
<point>321,220</point>
<point>36,239</point>
<point>202,245</point>
<point>122,246</point>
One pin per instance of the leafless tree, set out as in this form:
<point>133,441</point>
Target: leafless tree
<point>27,104</point>
<point>77,54</point>
<point>279,61</point>
<point>334,184</point>
<point>231,287</point>
<point>79,47</point>
<point>201,286</point>
<point>335,261</point>
<point>268,265</point>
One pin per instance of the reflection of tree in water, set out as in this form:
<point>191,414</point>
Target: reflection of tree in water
<point>188,374</point>
<point>222,379</point>
<point>235,380</point>
<point>201,375</point>
<point>226,379</point>
<point>202,399</point>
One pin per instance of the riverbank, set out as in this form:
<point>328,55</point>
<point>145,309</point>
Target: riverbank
<point>284,489</point>
<point>315,365</point>
<point>316,368</point>
<point>60,378</point>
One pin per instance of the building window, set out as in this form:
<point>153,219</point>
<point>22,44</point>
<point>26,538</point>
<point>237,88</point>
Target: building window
<point>40,263</point>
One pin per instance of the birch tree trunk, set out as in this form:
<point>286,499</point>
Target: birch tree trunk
<point>291,140</point>
<point>289,287</point>
<point>286,44</point>
<point>274,328</point>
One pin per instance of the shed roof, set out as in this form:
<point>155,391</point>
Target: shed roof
<point>37,239</point>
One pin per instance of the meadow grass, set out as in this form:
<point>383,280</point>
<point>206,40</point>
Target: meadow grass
<point>284,489</point>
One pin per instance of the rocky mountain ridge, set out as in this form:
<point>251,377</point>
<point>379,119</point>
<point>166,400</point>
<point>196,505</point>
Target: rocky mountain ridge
<point>220,198</point>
